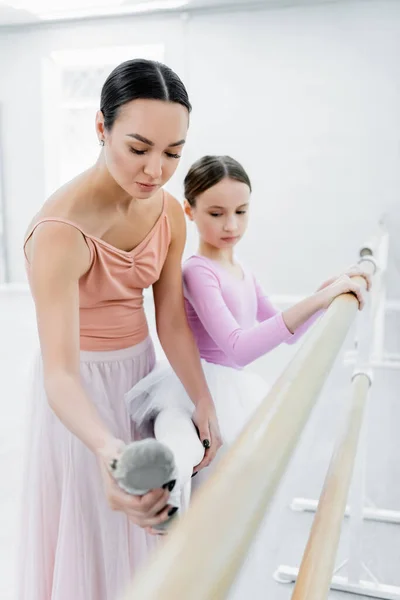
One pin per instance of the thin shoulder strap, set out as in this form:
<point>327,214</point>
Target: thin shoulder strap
<point>57,220</point>
<point>166,197</point>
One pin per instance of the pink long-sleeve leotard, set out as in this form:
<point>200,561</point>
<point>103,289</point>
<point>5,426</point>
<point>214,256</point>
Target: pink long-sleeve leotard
<point>233,321</point>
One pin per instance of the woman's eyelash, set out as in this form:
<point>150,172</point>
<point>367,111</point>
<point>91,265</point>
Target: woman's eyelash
<point>141,152</point>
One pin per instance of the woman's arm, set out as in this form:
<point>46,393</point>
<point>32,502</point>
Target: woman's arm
<point>174,333</point>
<point>58,257</point>
<point>173,330</point>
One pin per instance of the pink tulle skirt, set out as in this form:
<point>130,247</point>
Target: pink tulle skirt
<point>73,546</point>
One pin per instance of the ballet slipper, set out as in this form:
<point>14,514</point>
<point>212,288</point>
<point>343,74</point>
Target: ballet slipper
<point>143,466</point>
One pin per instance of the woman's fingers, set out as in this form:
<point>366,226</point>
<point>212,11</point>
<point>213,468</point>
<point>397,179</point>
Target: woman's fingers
<point>211,452</point>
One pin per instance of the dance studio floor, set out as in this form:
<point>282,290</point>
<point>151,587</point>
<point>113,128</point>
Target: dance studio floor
<point>288,530</point>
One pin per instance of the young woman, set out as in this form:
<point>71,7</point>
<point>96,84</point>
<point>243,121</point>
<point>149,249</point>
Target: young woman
<point>93,247</point>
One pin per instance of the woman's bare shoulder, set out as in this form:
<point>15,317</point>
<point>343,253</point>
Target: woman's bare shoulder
<point>63,202</point>
<point>50,226</point>
<point>176,215</point>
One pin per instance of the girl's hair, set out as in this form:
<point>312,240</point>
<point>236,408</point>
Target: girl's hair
<point>140,79</point>
<point>210,170</point>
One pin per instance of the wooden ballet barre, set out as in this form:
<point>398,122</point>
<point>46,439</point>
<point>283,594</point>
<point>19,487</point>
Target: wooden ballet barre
<point>203,553</point>
<point>316,575</point>
<point>318,563</point>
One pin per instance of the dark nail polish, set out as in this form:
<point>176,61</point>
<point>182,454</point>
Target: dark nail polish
<point>194,474</point>
<point>172,511</point>
<point>170,485</point>
<point>206,444</point>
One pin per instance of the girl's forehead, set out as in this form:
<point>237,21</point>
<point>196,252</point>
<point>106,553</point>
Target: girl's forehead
<point>227,194</point>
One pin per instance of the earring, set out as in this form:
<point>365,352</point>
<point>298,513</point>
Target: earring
<point>101,142</point>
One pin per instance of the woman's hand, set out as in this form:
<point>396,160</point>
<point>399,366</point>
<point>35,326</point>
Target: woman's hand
<point>146,511</point>
<point>352,271</point>
<point>206,422</point>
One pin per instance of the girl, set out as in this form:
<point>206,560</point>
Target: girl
<point>93,247</point>
<point>233,322</point>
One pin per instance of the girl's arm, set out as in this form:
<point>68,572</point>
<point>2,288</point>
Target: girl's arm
<point>244,346</point>
<point>294,316</point>
<point>176,337</point>
<point>266,310</point>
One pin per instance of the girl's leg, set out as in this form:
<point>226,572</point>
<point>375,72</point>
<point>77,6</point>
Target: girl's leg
<point>174,428</point>
<point>152,463</point>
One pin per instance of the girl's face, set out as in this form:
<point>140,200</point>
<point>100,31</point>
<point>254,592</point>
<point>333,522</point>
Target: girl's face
<point>143,148</point>
<point>221,213</point>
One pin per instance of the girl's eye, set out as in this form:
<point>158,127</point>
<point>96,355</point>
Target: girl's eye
<point>241,212</point>
<point>215,214</point>
<point>171,155</point>
<point>139,152</point>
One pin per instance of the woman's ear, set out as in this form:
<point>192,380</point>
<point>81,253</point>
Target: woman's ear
<point>188,210</point>
<point>100,129</point>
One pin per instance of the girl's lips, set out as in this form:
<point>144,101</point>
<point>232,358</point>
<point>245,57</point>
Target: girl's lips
<point>232,238</point>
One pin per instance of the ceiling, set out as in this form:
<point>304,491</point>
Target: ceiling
<point>23,12</point>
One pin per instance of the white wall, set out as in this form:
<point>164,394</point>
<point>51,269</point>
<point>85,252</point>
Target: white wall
<point>307,97</point>
<point>21,96</point>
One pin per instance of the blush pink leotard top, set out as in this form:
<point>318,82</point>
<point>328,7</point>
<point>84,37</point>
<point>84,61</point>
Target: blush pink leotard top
<point>111,308</point>
<point>233,321</point>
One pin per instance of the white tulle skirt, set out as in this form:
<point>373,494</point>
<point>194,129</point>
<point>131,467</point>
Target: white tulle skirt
<point>159,406</point>
<point>236,394</point>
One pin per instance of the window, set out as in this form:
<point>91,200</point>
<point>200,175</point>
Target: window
<point>72,86</point>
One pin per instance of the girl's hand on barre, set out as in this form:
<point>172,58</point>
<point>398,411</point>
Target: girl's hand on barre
<point>206,422</point>
<point>342,285</point>
<point>352,271</point>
